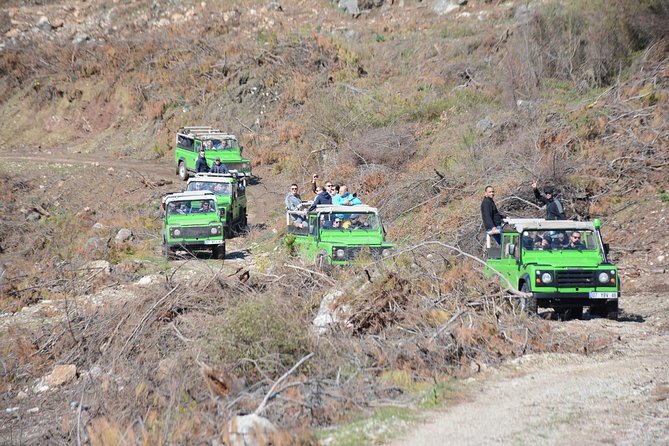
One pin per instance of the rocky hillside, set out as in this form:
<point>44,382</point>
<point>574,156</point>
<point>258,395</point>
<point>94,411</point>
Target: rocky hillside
<point>417,105</point>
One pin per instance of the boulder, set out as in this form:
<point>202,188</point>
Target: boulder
<point>44,24</point>
<point>122,235</point>
<point>350,6</point>
<point>61,374</point>
<point>103,265</point>
<point>249,430</point>
<point>445,6</point>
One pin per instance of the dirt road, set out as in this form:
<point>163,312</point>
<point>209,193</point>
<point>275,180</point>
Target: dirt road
<point>619,395</point>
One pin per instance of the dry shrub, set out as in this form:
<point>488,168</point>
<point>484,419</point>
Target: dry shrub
<point>590,41</point>
<point>389,146</point>
<point>382,303</point>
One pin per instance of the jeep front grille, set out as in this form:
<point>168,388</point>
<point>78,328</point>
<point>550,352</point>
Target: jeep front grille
<point>351,252</point>
<point>575,278</point>
<point>195,232</point>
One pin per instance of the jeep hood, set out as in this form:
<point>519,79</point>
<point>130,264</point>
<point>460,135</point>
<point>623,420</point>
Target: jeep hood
<point>563,259</point>
<point>347,237</point>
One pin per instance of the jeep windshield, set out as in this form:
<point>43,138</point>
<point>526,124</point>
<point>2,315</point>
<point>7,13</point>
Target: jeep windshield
<point>555,240</point>
<point>186,207</point>
<point>215,187</point>
<point>349,221</point>
<point>223,144</point>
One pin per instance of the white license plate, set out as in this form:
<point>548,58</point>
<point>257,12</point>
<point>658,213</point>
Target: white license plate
<point>212,242</point>
<point>603,295</point>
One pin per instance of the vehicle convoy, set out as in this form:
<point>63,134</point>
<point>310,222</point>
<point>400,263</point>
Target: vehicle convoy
<point>563,264</point>
<point>230,191</point>
<point>192,221</point>
<point>337,235</point>
<point>216,144</point>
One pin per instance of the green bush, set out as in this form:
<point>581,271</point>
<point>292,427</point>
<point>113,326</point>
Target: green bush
<point>259,327</point>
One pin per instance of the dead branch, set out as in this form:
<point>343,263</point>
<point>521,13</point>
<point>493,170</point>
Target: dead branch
<point>510,288</point>
<point>271,393</point>
<point>143,321</point>
<point>327,279</point>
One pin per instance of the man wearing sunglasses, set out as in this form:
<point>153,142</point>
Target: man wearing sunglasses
<point>575,241</point>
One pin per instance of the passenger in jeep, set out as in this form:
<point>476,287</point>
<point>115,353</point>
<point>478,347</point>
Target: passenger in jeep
<point>206,207</point>
<point>575,242</point>
<point>293,201</point>
<point>218,167</point>
<point>174,208</point>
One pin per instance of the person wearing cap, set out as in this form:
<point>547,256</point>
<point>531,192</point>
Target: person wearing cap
<point>554,209</point>
<point>218,167</point>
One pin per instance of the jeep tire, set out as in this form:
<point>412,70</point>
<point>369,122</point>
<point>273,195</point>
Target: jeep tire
<point>527,304</point>
<point>168,253</point>
<point>608,310</point>
<point>219,252</point>
<point>182,171</point>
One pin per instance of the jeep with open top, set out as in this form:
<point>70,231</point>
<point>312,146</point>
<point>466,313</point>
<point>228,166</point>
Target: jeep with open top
<point>562,264</point>
<point>230,191</point>
<point>216,144</point>
<point>337,235</point>
<point>191,222</point>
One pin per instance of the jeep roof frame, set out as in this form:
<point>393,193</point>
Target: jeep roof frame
<point>344,209</point>
<point>205,132</point>
<point>525,224</point>
<point>190,195</point>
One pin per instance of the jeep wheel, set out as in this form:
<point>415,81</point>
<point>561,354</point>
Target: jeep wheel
<point>608,310</point>
<point>574,313</point>
<point>168,253</point>
<point>219,252</point>
<point>321,261</point>
<point>183,172</point>
<point>527,304</point>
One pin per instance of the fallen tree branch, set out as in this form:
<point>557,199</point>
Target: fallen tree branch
<point>271,393</point>
<point>330,281</point>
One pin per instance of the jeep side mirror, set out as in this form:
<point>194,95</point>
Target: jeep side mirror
<point>512,250</point>
<point>221,213</point>
<point>606,249</point>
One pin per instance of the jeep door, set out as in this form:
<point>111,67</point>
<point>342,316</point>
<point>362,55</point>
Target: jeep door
<point>509,262</point>
<point>187,151</point>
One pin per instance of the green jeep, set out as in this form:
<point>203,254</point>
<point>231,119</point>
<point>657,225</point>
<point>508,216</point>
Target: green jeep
<point>216,144</point>
<point>192,222</point>
<point>230,191</point>
<point>562,263</point>
<point>337,235</point>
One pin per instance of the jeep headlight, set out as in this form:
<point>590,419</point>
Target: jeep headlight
<point>177,232</point>
<point>386,252</point>
<point>340,253</point>
<point>214,230</point>
<point>546,278</point>
<point>603,277</point>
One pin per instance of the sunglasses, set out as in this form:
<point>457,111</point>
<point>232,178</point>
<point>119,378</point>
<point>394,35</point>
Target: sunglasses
<point>576,237</point>
<point>337,221</point>
<point>293,188</point>
<point>328,185</point>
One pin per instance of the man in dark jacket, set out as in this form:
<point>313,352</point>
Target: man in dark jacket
<point>492,218</point>
<point>323,197</point>
<point>201,163</point>
<point>554,209</point>
<point>219,167</point>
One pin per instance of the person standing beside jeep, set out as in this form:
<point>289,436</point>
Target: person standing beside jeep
<point>201,163</point>
<point>554,209</point>
<point>492,218</point>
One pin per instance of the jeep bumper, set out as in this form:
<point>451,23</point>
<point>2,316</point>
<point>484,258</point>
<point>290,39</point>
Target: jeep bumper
<point>560,300</point>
